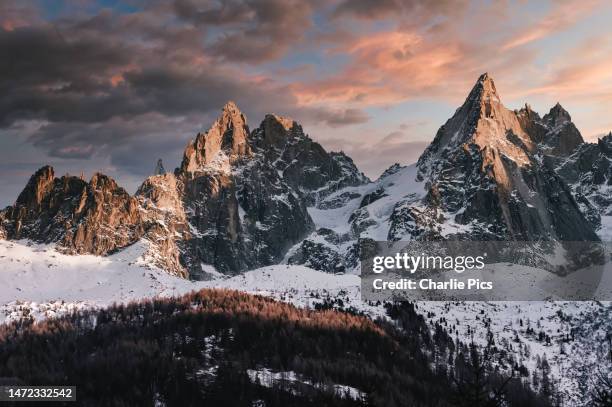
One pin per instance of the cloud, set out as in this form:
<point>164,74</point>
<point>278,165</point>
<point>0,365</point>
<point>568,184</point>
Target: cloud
<point>106,86</point>
<point>415,9</point>
<point>563,15</point>
<point>253,31</point>
<point>16,15</point>
<point>392,137</point>
<point>337,118</point>
<point>387,67</point>
<point>113,89</point>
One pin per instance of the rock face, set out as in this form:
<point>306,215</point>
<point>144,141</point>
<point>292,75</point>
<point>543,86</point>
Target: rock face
<point>303,163</point>
<point>164,218</point>
<point>242,212</point>
<point>487,169</point>
<point>225,142</point>
<point>588,172</point>
<point>97,217</point>
<point>489,174</point>
<point>561,137</point>
<point>238,201</point>
<point>159,168</point>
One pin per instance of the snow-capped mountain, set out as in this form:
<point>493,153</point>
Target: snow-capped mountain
<point>243,199</point>
<point>96,217</point>
<point>487,169</point>
<point>237,202</point>
<point>490,174</point>
<point>270,211</point>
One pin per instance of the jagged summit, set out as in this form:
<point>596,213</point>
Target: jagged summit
<point>482,123</point>
<point>561,137</point>
<point>225,142</point>
<point>36,188</point>
<point>96,217</point>
<point>240,198</point>
<point>485,90</point>
<point>159,168</point>
<point>231,107</point>
<point>485,166</point>
<point>557,116</point>
<point>286,122</point>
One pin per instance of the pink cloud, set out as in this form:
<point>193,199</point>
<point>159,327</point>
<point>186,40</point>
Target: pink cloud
<point>385,67</point>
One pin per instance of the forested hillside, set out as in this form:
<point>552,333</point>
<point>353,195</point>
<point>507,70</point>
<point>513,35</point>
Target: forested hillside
<point>226,348</point>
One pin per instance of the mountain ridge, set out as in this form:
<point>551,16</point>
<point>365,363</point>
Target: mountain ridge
<point>243,198</point>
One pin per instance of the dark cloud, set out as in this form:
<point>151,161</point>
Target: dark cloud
<point>214,12</point>
<point>414,9</point>
<point>109,91</point>
<point>254,31</point>
<point>45,75</point>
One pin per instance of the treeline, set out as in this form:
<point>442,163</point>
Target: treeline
<point>199,349</point>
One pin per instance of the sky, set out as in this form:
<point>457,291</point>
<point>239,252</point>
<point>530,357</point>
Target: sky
<point>111,86</point>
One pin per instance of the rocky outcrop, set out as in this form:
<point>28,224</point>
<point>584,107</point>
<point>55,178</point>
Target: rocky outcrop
<point>588,172</point>
<point>96,217</point>
<point>225,142</point>
<point>303,163</point>
<point>237,201</point>
<point>485,169</point>
<point>164,218</point>
<point>393,169</point>
<point>319,256</point>
<point>159,168</point>
<point>241,211</point>
<point>561,137</point>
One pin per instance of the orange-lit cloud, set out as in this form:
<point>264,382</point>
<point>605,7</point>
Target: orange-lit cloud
<point>385,67</point>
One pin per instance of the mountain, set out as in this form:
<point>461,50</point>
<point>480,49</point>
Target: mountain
<point>96,217</point>
<point>272,197</point>
<point>243,199</point>
<point>238,201</point>
<point>487,168</point>
<point>588,172</point>
<point>489,174</point>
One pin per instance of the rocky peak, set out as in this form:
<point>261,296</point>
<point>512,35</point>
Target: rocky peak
<point>561,137</point>
<point>101,182</point>
<point>393,169</point>
<point>557,116</point>
<point>481,124</point>
<point>482,166</point>
<point>275,131</point>
<point>37,187</point>
<point>159,168</point>
<point>485,93</point>
<point>226,140</point>
<point>286,122</point>
<point>527,113</point>
<point>98,217</point>
<point>233,130</point>
<point>605,143</point>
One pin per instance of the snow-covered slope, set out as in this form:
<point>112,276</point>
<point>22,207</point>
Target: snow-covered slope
<point>347,218</point>
<point>40,282</point>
